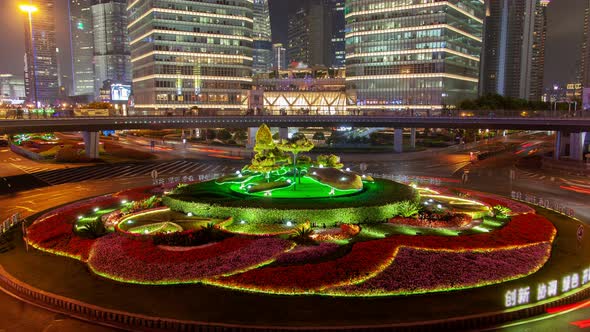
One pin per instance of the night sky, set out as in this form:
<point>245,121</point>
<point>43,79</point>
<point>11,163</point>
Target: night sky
<point>566,19</point>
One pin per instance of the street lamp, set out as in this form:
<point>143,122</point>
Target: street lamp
<point>30,9</point>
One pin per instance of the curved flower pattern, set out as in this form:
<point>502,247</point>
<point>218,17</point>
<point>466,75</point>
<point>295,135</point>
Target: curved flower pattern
<point>118,257</point>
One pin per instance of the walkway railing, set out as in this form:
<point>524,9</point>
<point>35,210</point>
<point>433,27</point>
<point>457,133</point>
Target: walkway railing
<point>8,223</point>
<point>352,114</point>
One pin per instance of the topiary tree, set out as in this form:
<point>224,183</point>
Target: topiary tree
<point>264,140</point>
<point>330,160</point>
<point>295,146</point>
<point>264,163</point>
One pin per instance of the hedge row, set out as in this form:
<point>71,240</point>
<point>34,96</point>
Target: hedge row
<point>330,217</point>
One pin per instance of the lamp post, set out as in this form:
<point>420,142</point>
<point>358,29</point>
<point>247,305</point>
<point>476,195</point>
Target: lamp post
<point>30,9</point>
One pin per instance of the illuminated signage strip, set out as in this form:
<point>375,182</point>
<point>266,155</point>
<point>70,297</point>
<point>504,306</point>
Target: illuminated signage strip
<point>431,75</point>
<point>192,77</point>
<point>195,55</point>
<point>188,33</point>
<point>418,28</point>
<point>400,107</point>
<point>215,106</point>
<point>133,3</point>
<point>191,13</point>
<point>418,6</point>
<point>416,51</point>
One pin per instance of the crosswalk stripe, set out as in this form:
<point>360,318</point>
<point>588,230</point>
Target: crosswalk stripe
<point>169,167</point>
<point>186,168</point>
<point>69,173</point>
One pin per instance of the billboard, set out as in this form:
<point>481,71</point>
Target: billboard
<point>120,92</point>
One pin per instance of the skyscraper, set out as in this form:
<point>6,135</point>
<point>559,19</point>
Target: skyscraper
<point>41,75</point>
<point>514,53</point>
<point>262,38</point>
<point>309,34</point>
<point>82,47</point>
<point>584,73</point>
<point>337,32</point>
<point>279,55</point>
<point>112,59</point>
<point>412,54</point>
<point>197,55</point>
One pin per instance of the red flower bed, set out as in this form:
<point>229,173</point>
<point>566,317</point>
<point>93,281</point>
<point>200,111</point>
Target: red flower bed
<point>55,235</point>
<point>439,221</point>
<point>493,200</point>
<point>366,259</point>
<point>118,257</point>
<point>419,270</point>
<point>54,231</point>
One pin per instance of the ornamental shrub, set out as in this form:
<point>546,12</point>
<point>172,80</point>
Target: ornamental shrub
<point>330,217</point>
<point>409,209</point>
<point>501,211</point>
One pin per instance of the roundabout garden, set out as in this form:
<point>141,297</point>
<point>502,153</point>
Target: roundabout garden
<point>289,225</point>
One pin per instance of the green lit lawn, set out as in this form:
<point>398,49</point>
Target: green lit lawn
<point>308,188</point>
<point>258,229</point>
<point>94,216</point>
<point>141,222</point>
<point>377,193</point>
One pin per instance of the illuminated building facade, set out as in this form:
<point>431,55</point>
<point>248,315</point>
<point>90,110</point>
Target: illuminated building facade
<point>41,72</point>
<point>112,59</point>
<point>337,32</point>
<point>514,50</point>
<point>279,55</point>
<point>262,62</point>
<point>12,87</point>
<point>412,54</point>
<point>309,91</point>
<point>82,47</point>
<point>584,74</point>
<point>189,54</point>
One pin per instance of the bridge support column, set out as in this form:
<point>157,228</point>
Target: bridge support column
<point>559,145</point>
<point>398,140</point>
<point>413,138</point>
<point>91,143</point>
<point>577,146</point>
<point>251,137</point>
<point>283,133</point>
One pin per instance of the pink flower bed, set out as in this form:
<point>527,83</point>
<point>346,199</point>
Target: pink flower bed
<point>303,254</point>
<point>419,270</point>
<point>120,258</point>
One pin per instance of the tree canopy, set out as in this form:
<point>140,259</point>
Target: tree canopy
<point>498,102</point>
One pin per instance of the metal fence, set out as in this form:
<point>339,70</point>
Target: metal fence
<point>9,222</point>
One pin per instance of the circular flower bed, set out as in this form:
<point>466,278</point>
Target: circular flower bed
<point>344,261</point>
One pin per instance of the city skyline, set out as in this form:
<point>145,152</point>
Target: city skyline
<point>562,35</point>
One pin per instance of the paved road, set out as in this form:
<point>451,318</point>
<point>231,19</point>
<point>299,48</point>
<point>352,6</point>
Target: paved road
<point>490,175</point>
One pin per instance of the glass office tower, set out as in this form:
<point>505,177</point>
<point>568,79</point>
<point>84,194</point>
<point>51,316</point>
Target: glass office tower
<point>41,72</point>
<point>262,62</point>
<point>112,59</point>
<point>188,54</point>
<point>82,47</point>
<point>412,54</point>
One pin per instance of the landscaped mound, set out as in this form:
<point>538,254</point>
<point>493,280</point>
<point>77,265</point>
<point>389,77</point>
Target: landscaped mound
<point>377,202</point>
<point>337,178</point>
